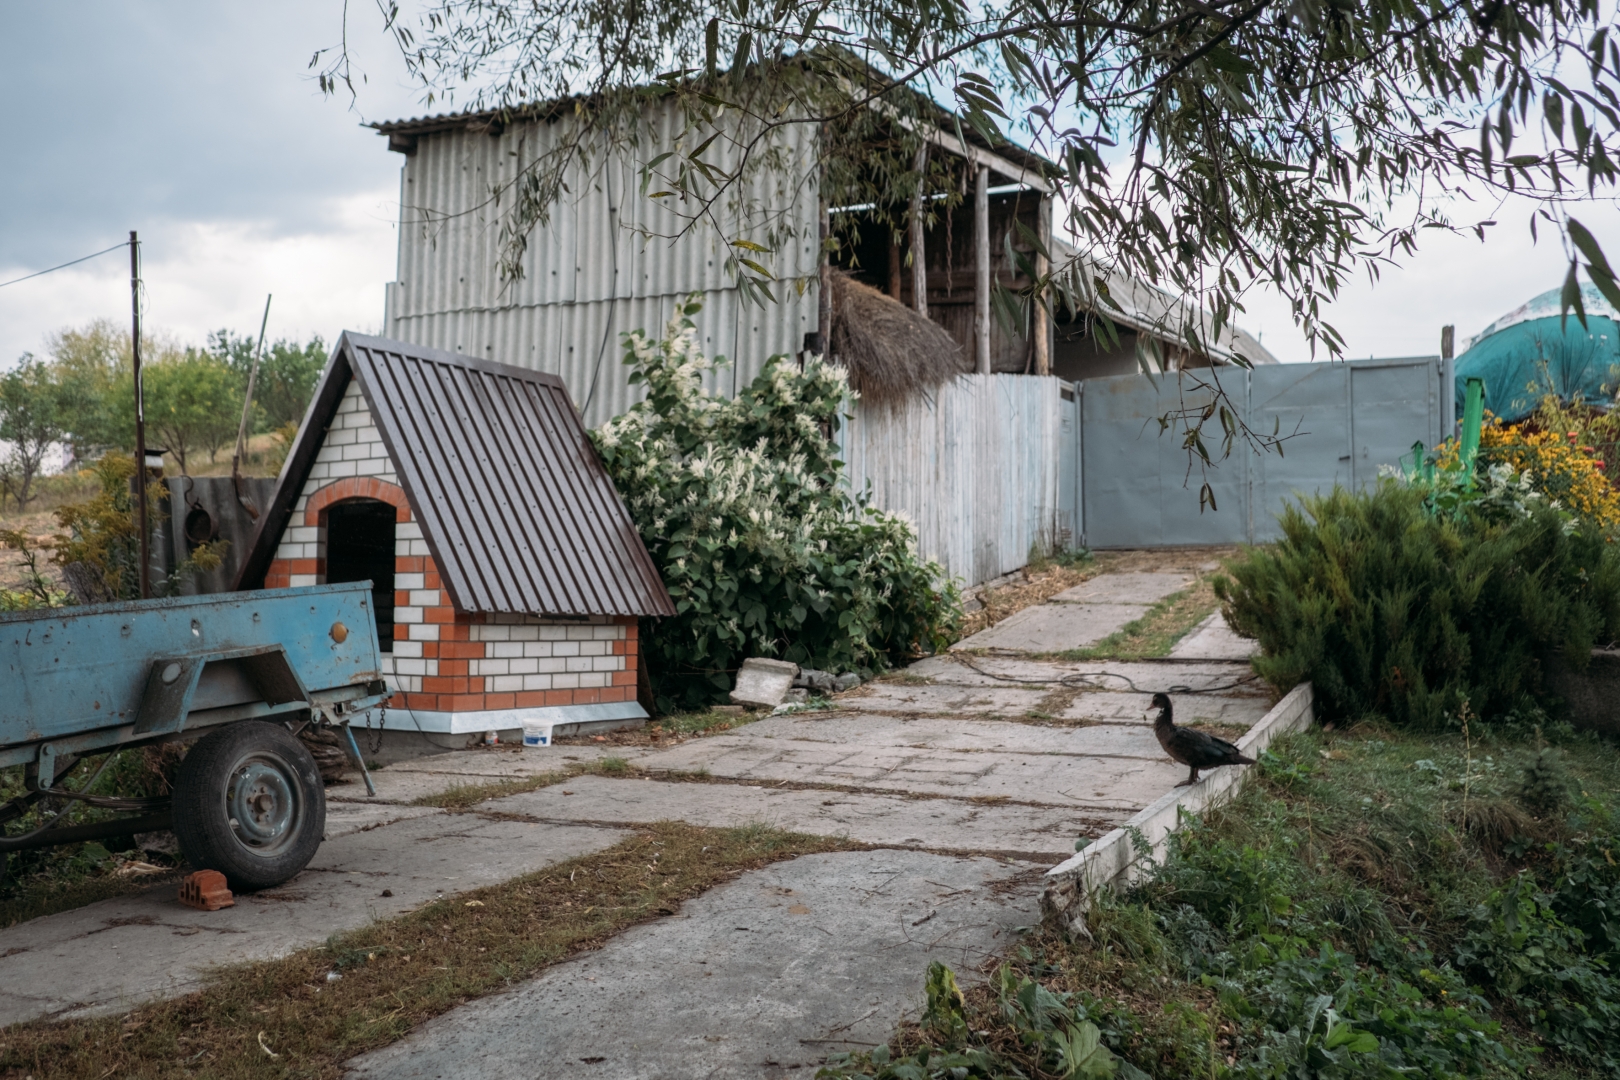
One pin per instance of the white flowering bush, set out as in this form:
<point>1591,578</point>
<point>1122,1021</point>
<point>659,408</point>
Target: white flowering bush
<point>764,551</point>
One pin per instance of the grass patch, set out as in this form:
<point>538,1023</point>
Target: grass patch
<point>396,974</point>
<point>1156,632</point>
<point>706,722</point>
<point>1378,904</point>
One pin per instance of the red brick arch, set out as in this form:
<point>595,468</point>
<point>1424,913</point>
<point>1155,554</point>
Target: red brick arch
<point>356,487</point>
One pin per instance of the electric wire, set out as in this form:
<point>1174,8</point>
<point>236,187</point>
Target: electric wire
<point>64,266</point>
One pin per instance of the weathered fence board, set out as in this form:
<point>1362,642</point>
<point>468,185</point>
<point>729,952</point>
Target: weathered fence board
<point>975,468</point>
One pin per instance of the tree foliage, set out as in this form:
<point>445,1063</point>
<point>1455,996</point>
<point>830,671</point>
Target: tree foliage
<point>764,551</point>
<point>288,372</point>
<point>1205,145</point>
<point>30,424</point>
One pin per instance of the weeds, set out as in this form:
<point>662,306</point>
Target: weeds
<point>1379,905</point>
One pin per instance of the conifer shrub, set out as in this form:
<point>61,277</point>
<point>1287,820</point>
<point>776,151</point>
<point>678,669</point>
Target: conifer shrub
<point>764,550</point>
<point>1390,606</point>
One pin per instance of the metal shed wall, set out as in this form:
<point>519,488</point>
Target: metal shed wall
<point>609,260</point>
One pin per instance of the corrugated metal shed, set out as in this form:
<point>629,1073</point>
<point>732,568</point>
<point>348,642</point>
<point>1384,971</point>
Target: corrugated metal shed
<point>608,260</point>
<point>514,504</point>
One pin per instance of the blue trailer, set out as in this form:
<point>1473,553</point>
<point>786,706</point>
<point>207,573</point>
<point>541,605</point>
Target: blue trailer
<point>237,675</point>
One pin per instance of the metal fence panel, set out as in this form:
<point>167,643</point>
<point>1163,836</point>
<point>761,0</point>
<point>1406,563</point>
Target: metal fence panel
<point>1393,405</point>
<point>1345,420</point>
<point>1305,405</point>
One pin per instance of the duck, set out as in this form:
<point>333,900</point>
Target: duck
<point>1192,748</point>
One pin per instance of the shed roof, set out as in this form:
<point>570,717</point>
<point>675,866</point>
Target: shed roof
<point>515,506</point>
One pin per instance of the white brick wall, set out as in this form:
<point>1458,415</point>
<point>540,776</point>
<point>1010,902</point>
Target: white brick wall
<point>352,447</point>
<point>526,652</point>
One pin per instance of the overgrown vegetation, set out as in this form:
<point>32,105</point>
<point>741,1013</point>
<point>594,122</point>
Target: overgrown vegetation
<point>46,880</point>
<point>742,506</point>
<point>1411,600</point>
<point>99,551</point>
<point>396,974</point>
<point>1381,904</point>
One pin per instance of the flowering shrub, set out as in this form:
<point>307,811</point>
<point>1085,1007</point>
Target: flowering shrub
<point>764,551</point>
<point>1557,464</point>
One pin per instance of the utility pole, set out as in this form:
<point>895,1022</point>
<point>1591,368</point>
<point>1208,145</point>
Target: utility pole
<point>140,414</point>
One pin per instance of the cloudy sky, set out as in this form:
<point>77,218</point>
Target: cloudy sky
<point>199,125</point>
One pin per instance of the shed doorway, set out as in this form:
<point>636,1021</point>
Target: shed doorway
<point>360,547</point>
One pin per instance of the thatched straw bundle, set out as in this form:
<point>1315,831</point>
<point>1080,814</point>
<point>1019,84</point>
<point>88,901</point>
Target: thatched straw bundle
<point>893,354</point>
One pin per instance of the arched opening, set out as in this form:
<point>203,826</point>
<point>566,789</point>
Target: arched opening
<point>360,547</point>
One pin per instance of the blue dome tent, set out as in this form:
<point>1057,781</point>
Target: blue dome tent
<point>1531,350</point>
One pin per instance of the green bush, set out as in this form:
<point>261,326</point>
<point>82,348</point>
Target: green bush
<point>1390,608</point>
<point>764,551</point>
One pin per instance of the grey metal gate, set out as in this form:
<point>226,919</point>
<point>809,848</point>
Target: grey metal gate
<point>1134,486</point>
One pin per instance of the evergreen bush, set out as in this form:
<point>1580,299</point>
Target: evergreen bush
<point>1391,608</point>
<point>764,550</point>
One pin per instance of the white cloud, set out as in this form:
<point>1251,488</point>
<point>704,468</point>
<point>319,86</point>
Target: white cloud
<point>204,275</point>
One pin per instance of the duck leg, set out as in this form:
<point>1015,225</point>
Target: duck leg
<point>1192,778</point>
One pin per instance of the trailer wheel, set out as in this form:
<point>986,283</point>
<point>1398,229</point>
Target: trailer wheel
<point>248,802</point>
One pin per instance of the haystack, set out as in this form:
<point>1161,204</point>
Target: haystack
<point>893,354</point>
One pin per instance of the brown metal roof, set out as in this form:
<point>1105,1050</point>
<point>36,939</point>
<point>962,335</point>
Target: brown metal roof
<point>514,504</point>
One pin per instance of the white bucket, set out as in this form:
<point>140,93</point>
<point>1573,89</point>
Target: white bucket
<point>536,733</point>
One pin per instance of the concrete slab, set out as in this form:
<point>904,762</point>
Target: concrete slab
<point>114,954</point>
<point>961,736</point>
<point>761,977</point>
<point>1037,833</point>
<point>992,700</point>
<point>1136,587</point>
<point>1145,676</point>
<point>1213,639</point>
<point>1084,782</point>
<point>505,764</point>
<point>344,817</point>
<point>1054,627</point>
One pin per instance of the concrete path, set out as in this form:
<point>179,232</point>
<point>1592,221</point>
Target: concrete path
<point>970,773</point>
<point>1078,617</point>
<point>761,977</point>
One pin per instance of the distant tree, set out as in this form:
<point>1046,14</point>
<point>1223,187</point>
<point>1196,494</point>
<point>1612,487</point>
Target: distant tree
<point>288,373</point>
<point>193,402</point>
<point>30,423</point>
<point>91,368</point>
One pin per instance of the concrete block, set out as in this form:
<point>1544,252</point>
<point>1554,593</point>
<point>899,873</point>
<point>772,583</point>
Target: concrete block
<point>1131,588</point>
<point>762,683</point>
<point>1212,639</point>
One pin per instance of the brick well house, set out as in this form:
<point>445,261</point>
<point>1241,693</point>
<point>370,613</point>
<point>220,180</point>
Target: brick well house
<point>508,579</point>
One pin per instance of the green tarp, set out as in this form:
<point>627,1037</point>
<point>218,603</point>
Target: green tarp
<point>1532,350</point>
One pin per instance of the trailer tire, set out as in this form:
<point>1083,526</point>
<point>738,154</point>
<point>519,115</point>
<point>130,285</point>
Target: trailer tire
<point>248,802</point>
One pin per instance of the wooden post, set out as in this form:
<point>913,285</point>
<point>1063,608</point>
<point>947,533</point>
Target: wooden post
<point>1040,318</point>
<point>824,312</point>
<point>895,255</point>
<point>981,274</point>
<point>919,255</point>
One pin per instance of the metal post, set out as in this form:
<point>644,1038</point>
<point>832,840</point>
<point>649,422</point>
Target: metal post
<point>1040,318</point>
<point>1448,381</point>
<point>919,256</point>
<point>140,414</point>
<point>981,277</point>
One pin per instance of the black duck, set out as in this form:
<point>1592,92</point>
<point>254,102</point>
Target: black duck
<point>1193,749</point>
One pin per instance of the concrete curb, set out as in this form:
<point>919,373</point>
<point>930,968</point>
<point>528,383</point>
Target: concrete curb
<point>1071,884</point>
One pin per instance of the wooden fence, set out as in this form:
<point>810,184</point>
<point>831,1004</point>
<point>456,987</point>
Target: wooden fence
<point>975,468</point>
